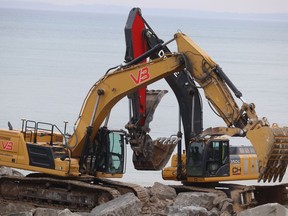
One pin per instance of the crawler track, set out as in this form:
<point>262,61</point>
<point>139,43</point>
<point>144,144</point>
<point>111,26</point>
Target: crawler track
<point>73,193</point>
<point>124,187</point>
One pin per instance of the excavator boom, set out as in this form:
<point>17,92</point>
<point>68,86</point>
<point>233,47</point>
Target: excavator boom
<point>109,90</point>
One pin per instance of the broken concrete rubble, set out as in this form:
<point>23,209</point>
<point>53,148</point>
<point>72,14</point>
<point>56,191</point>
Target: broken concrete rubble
<point>162,191</point>
<point>127,204</point>
<point>161,196</point>
<point>199,199</point>
<point>200,203</point>
<point>270,209</point>
<point>45,211</point>
<point>6,171</point>
<point>14,208</point>
<point>54,212</point>
<point>163,200</point>
<point>187,210</point>
<point>190,203</point>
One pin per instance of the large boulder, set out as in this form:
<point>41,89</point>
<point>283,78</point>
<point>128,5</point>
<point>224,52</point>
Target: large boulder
<point>20,209</point>
<point>54,212</point>
<point>126,205</point>
<point>6,171</point>
<point>67,212</point>
<point>162,192</point>
<point>225,207</point>
<point>270,209</point>
<point>187,211</point>
<point>161,196</point>
<point>198,199</point>
<point>45,211</point>
<point>200,203</point>
<point>13,208</point>
<point>20,214</point>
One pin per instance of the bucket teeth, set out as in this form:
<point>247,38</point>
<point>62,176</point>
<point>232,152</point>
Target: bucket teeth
<point>271,145</point>
<point>281,175</point>
<point>278,159</point>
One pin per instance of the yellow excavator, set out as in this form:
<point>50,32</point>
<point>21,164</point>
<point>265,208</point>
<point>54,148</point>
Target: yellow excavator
<point>93,150</point>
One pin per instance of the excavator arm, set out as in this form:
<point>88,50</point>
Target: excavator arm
<point>140,38</point>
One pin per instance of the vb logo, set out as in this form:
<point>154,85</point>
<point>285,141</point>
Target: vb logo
<point>7,145</point>
<point>143,75</point>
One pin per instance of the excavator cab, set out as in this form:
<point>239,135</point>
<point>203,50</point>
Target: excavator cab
<point>108,152</point>
<point>208,159</point>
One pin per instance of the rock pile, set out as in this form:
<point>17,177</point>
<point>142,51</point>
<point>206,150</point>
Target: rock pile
<point>163,200</point>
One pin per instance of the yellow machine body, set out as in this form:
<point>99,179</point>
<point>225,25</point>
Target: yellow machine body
<point>241,164</point>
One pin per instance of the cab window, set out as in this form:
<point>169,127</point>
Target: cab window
<point>116,152</point>
<point>217,158</point>
<point>195,159</point>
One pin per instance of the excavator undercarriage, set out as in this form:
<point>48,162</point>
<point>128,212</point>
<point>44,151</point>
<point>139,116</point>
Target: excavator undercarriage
<point>78,194</point>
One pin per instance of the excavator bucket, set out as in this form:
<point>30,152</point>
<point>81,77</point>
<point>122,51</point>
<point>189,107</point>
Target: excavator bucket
<point>271,146</point>
<point>157,153</point>
<point>151,154</point>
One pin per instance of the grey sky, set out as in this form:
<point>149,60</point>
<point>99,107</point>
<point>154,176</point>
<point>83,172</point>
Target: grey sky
<point>234,6</point>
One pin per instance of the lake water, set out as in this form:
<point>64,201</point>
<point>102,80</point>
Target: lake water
<point>49,61</point>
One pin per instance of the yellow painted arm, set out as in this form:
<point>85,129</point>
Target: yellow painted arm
<point>204,71</point>
<point>113,87</point>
